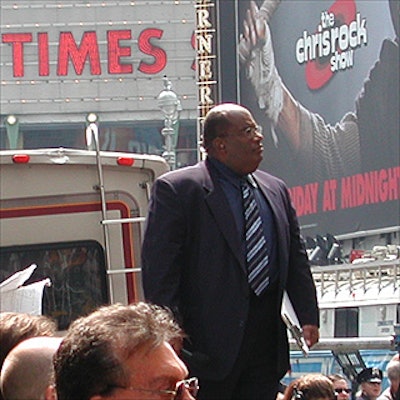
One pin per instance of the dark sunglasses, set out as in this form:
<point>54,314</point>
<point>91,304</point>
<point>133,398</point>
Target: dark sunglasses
<point>342,390</point>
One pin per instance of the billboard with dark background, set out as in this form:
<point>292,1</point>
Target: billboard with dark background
<point>322,78</point>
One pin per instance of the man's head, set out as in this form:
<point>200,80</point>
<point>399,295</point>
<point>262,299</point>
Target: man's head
<point>27,372</point>
<point>120,351</point>
<point>311,387</point>
<point>16,327</point>
<point>340,386</point>
<point>393,374</point>
<point>232,136</point>
<point>370,380</point>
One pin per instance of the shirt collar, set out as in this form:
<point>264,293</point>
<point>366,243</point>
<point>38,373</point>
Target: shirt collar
<point>225,172</point>
<point>230,175</point>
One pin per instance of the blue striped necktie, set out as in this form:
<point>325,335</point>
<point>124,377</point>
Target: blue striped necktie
<point>256,245</point>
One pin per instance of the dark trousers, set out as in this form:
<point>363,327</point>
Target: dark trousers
<point>253,376</point>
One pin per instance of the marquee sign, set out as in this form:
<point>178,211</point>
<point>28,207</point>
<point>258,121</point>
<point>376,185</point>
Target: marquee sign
<point>87,50</point>
<point>206,57</point>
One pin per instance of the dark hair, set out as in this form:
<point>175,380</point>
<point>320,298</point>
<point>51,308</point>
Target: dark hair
<point>90,360</point>
<point>16,327</point>
<point>310,387</point>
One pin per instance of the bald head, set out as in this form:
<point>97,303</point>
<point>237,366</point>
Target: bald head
<point>28,369</point>
<point>218,120</point>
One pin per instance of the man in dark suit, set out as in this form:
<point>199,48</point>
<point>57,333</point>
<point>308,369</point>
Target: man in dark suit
<point>196,260</point>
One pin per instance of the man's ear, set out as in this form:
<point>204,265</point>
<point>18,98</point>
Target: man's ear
<point>219,144</point>
<point>50,393</point>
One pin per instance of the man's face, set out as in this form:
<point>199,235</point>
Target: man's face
<point>342,389</point>
<point>395,385</point>
<point>371,389</point>
<point>153,371</point>
<point>242,143</point>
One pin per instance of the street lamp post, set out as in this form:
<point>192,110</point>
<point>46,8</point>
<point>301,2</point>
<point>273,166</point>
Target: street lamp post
<point>170,105</point>
<point>13,134</point>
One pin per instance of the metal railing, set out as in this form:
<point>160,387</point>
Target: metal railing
<point>351,344</point>
<point>379,274</point>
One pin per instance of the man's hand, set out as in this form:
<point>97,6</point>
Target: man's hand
<point>254,32</point>
<point>257,56</point>
<point>311,334</point>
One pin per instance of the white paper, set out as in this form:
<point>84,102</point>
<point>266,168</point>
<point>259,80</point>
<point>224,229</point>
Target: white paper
<point>18,279</point>
<point>24,299</point>
<point>289,317</point>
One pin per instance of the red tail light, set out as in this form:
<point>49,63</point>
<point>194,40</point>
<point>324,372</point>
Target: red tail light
<point>126,161</point>
<point>21,158</point>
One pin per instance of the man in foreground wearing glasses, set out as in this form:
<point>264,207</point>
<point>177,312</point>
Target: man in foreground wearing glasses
<point>221,245</point>
<point>123,353</point>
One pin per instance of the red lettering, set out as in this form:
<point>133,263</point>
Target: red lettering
<point>383,186</point>
<point>115,52</point>
<point>360,194</point>
<point>346,198</point>
<point>370,188</point>
<point>43,45</point>
<point>160,56</point>
<point>87,49</point>
<point>305,198</point>
<point>329,195</point>
<point>394,183</point>
<point>17,41</point>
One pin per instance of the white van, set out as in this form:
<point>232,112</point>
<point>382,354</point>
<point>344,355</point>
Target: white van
<point>79,216</point>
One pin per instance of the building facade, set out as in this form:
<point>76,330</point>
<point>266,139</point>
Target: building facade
<point>63,59</point>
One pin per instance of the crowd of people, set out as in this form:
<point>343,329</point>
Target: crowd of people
<point>133,352</point>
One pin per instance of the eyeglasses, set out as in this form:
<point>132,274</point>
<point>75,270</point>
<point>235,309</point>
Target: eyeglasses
<point>248,132</point>
<point>251,131</point>
<point>191,385</point>
<point>342,390</point>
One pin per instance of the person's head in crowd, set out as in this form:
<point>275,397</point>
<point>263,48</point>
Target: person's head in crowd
<point>370,381</point>
<point>27,372</point>
<point>232,136</point>
<point>310,387</point>
<point>16,327</point>
<point>340,386</point>
<point>393,374</point>
<point>122,352</point>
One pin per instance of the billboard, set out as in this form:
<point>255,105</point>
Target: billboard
<point>322,78</point>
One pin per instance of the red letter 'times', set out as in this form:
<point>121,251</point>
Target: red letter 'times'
<point>17,41</point>
<point>87,49</point>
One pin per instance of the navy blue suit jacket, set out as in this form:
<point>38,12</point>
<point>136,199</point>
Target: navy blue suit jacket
<point>192,263</point>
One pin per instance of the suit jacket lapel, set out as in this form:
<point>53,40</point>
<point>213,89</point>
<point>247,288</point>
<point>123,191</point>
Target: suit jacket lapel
<point>220,209</point>
<point>279,217</point>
